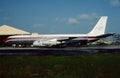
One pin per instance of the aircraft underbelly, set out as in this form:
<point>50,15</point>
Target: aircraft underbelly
<point>20,42</point>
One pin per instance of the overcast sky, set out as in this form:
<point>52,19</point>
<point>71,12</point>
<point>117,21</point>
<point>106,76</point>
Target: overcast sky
<point>59,16</point>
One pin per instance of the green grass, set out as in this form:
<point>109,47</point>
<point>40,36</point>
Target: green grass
<point>81,66</point>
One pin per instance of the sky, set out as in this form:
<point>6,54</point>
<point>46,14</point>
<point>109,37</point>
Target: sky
<point>59,16</point>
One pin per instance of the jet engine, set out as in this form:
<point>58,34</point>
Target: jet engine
<point>48,43</point>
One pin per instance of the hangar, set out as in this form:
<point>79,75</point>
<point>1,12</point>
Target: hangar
<point>6,31</point>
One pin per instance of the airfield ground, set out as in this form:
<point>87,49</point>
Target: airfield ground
<point>59,51</point>
<point>88,65</point>
<point>78,66</point>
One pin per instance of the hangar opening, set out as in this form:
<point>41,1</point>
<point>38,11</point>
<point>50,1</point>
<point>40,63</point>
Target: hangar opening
<point>6,31</point>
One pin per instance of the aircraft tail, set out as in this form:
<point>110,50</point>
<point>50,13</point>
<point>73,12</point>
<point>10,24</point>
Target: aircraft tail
<point>100,27</point>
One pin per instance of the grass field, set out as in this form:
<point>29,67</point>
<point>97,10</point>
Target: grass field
<point>79,66</point>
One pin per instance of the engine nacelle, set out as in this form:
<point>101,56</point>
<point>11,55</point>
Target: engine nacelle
<point>46,43</point>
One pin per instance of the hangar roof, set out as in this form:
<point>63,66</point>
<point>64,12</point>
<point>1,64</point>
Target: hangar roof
<point>8,30</point>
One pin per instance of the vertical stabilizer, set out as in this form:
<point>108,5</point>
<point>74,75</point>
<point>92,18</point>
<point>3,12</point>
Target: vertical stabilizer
<point>100,27</point>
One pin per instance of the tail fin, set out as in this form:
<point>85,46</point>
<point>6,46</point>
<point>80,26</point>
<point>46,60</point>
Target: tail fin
<point>99,28</point>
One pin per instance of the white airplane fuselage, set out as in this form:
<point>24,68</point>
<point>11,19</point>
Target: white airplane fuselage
<point>61,39</point>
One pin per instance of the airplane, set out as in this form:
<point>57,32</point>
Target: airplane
<point>52,40</point>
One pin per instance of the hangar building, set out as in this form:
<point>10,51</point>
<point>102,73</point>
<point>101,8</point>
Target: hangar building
<point>6,31</point>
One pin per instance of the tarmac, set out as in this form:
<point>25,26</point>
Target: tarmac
<point>59,51</point>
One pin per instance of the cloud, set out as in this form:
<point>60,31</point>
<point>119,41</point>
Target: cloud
<point>6,19</point>
<point>87,16</point>
<point>62,19</point>
<point>115,3</point>
<point>80,17</point>
<point>38,25</point>
<point>76,19</point>
<point>1,10</point>
<point>72,21</point>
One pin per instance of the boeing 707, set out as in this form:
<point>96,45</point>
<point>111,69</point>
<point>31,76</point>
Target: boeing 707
<point>51,40</point>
